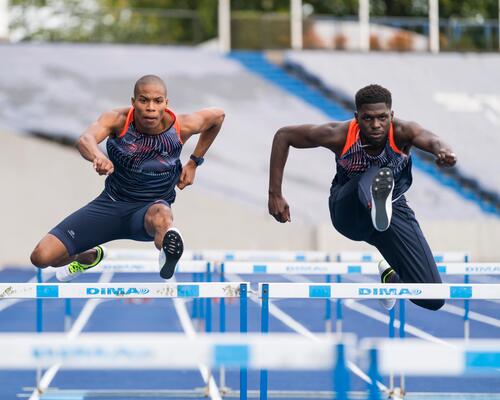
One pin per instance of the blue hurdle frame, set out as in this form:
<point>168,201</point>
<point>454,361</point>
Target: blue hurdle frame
<point>243,329</point>
<point>197,277</point>
<point>340,373</point>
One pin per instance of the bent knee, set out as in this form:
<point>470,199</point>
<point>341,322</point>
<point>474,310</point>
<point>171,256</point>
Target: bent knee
<point>433,305</point>
<point>41,257</point>
<point>436,304</point>
<point>159,215</point>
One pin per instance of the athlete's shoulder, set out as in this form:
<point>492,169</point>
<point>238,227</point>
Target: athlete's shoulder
<point>199,121</point>
<point>332,134</point>
<point>115,119</point>
<point>404,132</point>
<point>201,116</point>
<point>405,129</point>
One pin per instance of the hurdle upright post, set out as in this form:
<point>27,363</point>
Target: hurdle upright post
<point>392,334</point>
<point>402,323</point>
<point>243,329</point>
<point>466,313</point>
<point>39,322</point>
<point>338,305</point>
<point>222,304</point>
<point>222,329</point>
<point>67,315</point>
<point>373,390</point>
<point>264,329</point>
<point>208,314</point>
<point>328,310</point>
<point>466,301</point>
<point>338,322</point>
<point>340,375</point>
<point>194,309</point>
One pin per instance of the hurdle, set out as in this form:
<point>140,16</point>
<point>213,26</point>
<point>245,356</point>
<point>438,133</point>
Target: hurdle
<point>338,269</point>
<point>268,291</point>
<point>118,254</point>
<point>145,261</point>
<point>134,290</point>
<point>176,351</point>
<point>478,357</point>
<point>369,256</point>
<point>275,255</point>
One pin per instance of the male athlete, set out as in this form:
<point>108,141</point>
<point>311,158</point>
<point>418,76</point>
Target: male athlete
<point>142,165</point>
<point>367,200</point>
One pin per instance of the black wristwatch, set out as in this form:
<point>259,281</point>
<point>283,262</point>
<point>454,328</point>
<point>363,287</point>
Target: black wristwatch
<point>197,160</point>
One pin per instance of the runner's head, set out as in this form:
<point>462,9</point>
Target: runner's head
<point>374,114</point>
<point>149,102</point>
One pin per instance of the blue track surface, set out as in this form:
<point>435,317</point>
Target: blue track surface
<point>159,315</point>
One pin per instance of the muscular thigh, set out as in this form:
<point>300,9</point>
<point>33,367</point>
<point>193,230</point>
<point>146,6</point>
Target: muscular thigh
<point>96,223</point>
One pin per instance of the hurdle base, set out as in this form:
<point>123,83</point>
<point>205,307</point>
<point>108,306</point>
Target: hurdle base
<point>396,394</point>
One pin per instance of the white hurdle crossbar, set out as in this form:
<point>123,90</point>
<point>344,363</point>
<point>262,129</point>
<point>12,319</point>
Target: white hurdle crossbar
<point>167,351</point>
<point>145,254</point>
<point>120,290</point>
<point>260,255</point>
<point>148,266</point>
<point>423,358</point>
<point>275,255</point>
<point>174,351</point>
<point>371,256</point>
<point>380,291</point>
<point>343,268</point>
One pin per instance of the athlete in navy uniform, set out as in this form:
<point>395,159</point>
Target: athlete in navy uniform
<point>144,143</point>
<point>367,201</point>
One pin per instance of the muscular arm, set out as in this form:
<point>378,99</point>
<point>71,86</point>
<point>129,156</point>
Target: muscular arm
<point>206,122</point>
<point>331,136</point>
<point>88,142</point>
<point>414,134</point>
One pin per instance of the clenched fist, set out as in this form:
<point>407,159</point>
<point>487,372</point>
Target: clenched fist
<point>446,158</point>
<point>103,165</point>
<point>278,208</point>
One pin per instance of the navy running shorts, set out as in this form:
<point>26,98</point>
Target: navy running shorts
<point>103,220</point>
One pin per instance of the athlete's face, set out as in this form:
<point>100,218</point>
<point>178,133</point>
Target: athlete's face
<point>150,103</point>
<point>374,121</point>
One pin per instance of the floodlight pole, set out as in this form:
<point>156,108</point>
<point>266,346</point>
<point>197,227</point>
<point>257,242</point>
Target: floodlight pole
<point>4,20</point>
<point>364,25</point>
<point>224,26</point>
<point>296,26</point>
<point>434,26</point>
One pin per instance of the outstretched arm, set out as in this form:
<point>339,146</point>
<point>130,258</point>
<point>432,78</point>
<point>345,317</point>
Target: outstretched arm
<point>331,136</point>
<point>431,143</point>
<point>88,142</point>
<point>207,122</point>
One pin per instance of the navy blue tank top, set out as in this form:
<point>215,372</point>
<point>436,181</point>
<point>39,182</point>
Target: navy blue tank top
<point>147,167</point>
<point>354,160</point>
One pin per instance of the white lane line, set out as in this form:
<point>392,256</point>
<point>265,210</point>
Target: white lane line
<point>370,312</point>
<point>188,327</point>
<point>75,330</point>
<point>301,329</point>
<point>6,303</point>
<point>485,319</point>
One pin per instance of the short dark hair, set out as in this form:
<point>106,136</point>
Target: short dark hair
<point>373,94</point>
<point>149,79</point>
